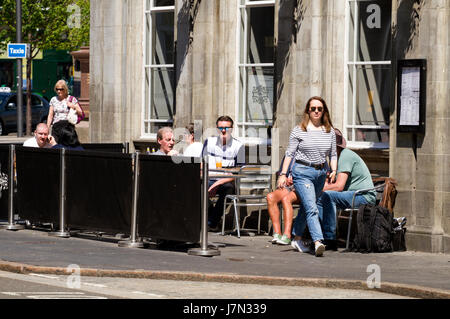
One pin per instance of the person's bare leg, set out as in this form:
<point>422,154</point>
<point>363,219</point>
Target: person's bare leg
<point>288,212</point>
<point>273,199</point>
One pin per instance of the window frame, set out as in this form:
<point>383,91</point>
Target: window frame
<point>242,66</point>
<point>353,64</point>
<point>148,51</point>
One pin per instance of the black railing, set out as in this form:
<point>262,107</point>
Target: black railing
<point>94,191</point>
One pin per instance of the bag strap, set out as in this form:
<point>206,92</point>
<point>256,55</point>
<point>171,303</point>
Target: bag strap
<point>360,226</point>
<point>373,217</point>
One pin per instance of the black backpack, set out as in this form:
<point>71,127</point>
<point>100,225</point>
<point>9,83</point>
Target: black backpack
<point>374,230</point>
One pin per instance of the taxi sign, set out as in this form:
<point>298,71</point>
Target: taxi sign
<point>17,50</point>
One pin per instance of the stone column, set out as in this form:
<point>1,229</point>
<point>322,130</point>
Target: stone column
<point>422,166</point>
<point>185,13</point>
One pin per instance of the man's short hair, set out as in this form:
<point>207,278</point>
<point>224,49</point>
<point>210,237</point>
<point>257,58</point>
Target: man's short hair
<point>41,125</point>
<point>163,130</point>
<point>225,118</point>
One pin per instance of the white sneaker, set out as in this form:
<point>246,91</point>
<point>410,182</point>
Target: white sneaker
<point>319,248</point>
<point>275,238</point>
<point>300,246</point>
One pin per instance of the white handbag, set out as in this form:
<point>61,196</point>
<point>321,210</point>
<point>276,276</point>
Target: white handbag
<point>72,117</point>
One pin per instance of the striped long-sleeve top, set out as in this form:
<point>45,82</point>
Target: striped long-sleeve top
<point>312,146</point>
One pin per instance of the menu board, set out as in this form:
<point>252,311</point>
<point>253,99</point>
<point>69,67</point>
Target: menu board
<point>410,96</point>
<point>411,99</point>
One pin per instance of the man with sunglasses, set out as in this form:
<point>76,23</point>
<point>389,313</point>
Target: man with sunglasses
<point>231,153</point>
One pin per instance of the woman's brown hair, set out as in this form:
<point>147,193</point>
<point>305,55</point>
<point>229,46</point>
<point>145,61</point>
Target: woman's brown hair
<point>326,118</point>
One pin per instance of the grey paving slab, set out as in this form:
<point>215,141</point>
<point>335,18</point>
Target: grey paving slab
<point>251,258</point>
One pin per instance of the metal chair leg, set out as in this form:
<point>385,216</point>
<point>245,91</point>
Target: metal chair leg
<point>223,216</point>
<point>236,218</point>
<point>349,229</point>
<point>259,221</point>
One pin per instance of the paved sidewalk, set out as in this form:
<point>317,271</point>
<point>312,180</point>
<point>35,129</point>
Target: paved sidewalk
<point>246,260</point>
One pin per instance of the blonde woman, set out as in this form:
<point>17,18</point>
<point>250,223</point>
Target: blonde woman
<point>61,104</point>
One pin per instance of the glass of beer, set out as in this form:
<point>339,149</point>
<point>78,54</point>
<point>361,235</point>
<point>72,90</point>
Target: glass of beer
<point>218,161</point>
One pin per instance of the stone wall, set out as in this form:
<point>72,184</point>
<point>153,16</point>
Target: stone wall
<point>422,172</point>
<point>116,55</point>
<point>309,61</point>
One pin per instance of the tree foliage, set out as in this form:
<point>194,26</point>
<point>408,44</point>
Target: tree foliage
<point>46,24</point>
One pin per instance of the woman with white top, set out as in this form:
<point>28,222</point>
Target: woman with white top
<point>310,143</point>
<point>194,149</point>
<point>61,104</point>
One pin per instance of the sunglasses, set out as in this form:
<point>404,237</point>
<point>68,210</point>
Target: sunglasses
<point>59,89</point>
<point>313,108</point>
<point>224,128</point>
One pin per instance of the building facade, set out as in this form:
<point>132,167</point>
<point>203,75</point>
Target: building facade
<point>157,63</point>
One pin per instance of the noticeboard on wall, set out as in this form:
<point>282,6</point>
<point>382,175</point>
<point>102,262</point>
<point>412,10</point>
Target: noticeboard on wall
<point>411,95</point>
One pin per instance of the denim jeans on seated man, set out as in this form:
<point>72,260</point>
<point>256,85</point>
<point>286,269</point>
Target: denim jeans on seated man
<point>328,204</point>
<point>308,183</point>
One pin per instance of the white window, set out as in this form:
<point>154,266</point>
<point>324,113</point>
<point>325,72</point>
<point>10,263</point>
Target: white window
<point>368,74</point>
<point>159,65</point>
<point>255,73</point>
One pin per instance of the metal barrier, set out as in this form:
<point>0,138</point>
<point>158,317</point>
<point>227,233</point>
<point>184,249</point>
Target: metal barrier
<point>4,181</point>
<point>108,147</point>
<point>169,201</point>
<point>99,191</point>
<point>39,184</point>
<point>11,188</point>
<point>141,195</point>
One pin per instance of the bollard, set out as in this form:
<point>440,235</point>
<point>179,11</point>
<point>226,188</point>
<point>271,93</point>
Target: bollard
<point>204,249</point>
<point>62,198</point>
<point>11,225</point>
<point>133,243</point>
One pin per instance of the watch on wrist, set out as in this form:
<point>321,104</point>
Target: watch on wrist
<point>281,174</point>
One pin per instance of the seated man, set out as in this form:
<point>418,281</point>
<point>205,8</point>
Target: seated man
<point>232,153</point>
<point>287,196</point>
<point>352,175</point>
<point>41,138</point>
<point>166,142</point>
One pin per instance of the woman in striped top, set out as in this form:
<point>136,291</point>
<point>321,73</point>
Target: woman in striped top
<point>310,143</point>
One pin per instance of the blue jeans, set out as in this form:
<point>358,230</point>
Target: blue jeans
<point>329,202</point>
<point>308,183</point>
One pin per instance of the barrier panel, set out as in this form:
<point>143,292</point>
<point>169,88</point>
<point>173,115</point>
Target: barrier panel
<point>38,181</point>
<point>107,147</point>
<point>4,174</point>
<point>98,191</point>
<point>169,199</point>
